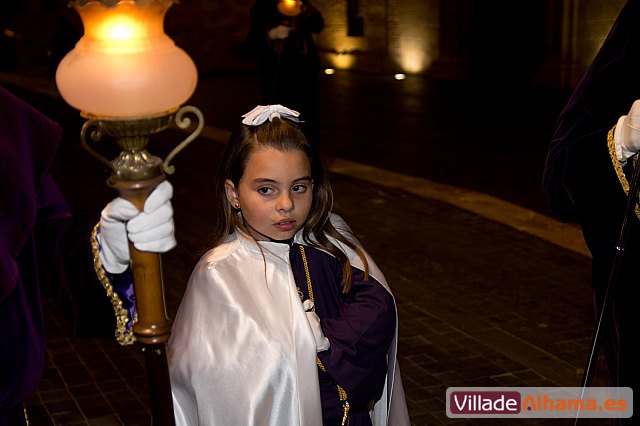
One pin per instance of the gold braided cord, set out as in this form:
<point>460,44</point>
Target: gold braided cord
<point>308,275</point>
<point>618,167</point>
<point>341,392</point>
<point>123,336</point>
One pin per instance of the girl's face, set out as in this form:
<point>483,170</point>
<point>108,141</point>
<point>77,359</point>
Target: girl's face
<point>274,193</point>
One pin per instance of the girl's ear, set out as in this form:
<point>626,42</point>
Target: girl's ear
<point>232,194</point>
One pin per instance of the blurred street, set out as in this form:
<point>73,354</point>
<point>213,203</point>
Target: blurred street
<point>440,180</point>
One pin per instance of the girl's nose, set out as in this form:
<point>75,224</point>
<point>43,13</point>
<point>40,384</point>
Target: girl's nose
<point>285,203</point>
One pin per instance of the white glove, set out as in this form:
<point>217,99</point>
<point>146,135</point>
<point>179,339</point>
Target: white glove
<point>279,32</point>
<point>627,134</point>
<point>322,343</point>
<point>150,230</point>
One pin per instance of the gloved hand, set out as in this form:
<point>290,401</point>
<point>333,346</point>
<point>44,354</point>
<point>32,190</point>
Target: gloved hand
<point>627,134</point>
<point>280,32</point>
<point>150,230</point>
<point>322,343</point>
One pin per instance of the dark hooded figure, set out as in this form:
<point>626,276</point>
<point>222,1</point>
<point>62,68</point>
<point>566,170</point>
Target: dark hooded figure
<point>36,229</point>
<point>287,58</point>
<point>44,249</point>
<point>584,179</point>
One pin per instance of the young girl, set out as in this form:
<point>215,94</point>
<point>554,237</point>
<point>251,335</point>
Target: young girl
<point>286,320</point>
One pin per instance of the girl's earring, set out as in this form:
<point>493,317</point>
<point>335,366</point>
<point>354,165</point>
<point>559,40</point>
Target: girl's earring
<point>239,213</point>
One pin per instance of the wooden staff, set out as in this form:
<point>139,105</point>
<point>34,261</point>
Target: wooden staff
<point>153,327</point>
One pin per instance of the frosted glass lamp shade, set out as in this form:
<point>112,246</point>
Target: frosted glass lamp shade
<point>125,65</point>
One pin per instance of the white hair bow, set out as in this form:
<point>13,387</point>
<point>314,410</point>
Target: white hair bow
<point>262,113</point>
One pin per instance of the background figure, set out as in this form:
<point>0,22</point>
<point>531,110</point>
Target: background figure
<point>582,185</point>
<point>288,61</point>
<point>46,250</point>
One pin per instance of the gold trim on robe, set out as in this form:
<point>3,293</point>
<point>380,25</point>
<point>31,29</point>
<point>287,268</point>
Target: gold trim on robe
<point>124,336</point>
<point>618,167</point>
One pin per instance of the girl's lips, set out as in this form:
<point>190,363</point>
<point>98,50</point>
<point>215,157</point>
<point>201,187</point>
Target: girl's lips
<point>285,225</point>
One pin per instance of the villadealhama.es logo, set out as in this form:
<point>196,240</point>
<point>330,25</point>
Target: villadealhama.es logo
<point>542,402</point>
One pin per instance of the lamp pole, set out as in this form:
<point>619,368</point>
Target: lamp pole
<point>153,327</point>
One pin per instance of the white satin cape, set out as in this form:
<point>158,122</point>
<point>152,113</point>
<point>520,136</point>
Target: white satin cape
<point>242,352</point>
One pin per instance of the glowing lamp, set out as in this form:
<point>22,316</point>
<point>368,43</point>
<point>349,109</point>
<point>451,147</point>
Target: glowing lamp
<point>289,7</point>
<point>125,65</point>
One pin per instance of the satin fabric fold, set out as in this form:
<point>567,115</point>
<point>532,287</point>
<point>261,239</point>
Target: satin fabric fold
<point>252,343</point>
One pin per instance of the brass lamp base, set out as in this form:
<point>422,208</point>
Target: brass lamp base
<point>135,163</point>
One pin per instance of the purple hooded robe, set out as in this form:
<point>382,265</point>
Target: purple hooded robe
<point>43,250</point>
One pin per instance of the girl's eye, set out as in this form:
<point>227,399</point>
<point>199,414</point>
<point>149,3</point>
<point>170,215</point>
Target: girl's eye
<point>299,188</point>
<point>265,190</point>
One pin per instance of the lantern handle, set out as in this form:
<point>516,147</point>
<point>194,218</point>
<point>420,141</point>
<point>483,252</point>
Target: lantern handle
<point>95,135</point>
<point>183,123</point>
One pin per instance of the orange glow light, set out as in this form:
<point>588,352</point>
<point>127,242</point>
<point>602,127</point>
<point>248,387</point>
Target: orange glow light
<point>289,7</point>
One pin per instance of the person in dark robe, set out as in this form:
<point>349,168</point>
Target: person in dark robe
<point>587,167</point>
<point>45,250</point>
<point>281,34</point>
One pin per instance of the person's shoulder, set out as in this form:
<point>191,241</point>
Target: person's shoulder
<point>221,252</point>
<point>203,274</point>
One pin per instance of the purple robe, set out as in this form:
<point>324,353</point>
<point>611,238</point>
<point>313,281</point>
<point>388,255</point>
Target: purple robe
<point>43,249</point>
<point>360,327</point>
